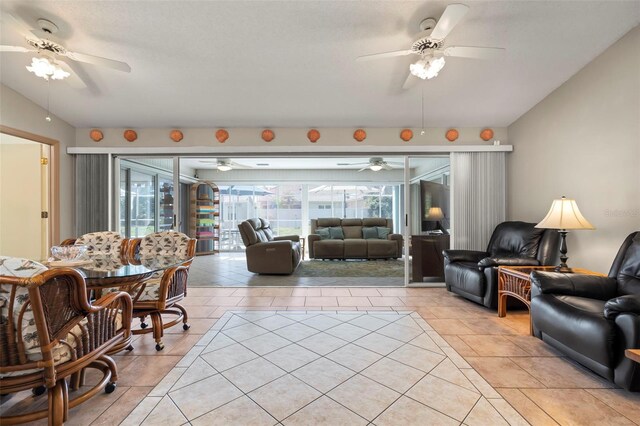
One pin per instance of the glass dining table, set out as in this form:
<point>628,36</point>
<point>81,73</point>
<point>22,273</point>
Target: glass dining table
<point>107,271</point>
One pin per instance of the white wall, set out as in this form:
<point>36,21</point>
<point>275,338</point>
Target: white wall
<point>22,114</point>
<point>583,141</point>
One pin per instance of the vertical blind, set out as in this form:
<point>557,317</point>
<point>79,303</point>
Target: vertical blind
<point>479,192</point>
<point>92,197</point>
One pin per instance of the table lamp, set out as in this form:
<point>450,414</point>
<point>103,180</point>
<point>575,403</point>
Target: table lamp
<point>434,215</point>
<point>564,215</point>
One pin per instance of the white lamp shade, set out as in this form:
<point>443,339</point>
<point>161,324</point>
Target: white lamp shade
<point>564,214</point>
<point>435,213</point>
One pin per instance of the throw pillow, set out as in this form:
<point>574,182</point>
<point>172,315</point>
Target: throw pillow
<point>324,233</point>
<point>370,233</point>
<point>383,232</point>
<point>336,233</point>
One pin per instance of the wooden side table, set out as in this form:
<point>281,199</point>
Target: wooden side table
<point>514,281</point>
<point>633,354</point>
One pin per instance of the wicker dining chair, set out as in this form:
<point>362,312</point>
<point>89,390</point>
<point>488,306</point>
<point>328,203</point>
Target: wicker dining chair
<point>51,333</point>
<point>162,293</point>
<point>103,242</point>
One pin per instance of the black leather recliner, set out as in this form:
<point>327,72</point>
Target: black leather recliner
<point>474,274</point>
<point>593,319</point>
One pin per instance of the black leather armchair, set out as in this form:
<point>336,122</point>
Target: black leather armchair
<point>593,319</point>
<point>474,274</point>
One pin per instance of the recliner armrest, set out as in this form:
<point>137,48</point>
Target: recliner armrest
<point>591,286</point>
<point>397,237</point>
<point>287,237</point>
<point>275,248</point>
<point>508,261</point>
<point>623,304</point>
<point>464,255</point>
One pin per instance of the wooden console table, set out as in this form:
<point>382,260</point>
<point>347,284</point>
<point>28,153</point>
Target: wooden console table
<point>514,281</point>
<point>427,258</point>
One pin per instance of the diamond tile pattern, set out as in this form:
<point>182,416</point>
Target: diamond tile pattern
<point>332,368</point>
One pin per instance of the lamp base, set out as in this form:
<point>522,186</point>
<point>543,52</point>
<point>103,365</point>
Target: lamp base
<point>563,269</point>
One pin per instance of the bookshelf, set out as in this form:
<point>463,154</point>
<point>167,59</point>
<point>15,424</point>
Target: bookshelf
<point>204,222</point>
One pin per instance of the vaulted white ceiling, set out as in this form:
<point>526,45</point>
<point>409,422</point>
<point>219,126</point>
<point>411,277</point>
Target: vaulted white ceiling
<point>292,63</point>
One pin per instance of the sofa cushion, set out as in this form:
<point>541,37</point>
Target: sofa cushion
<point>381,249</point>
<point>262,237</point>
<point>336,233</point>
<point>329,249</point>
<point>519,238</point>
<point>351,222</point>
<point>374,221</point>
<point>327,222</point>
<point>355,248</point>
<point>370,232</point>
<point>383,232</point>
<point>351,232</point>
<point>324,233</point>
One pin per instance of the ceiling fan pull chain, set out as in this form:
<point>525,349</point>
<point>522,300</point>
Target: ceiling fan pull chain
<point>48,117</point>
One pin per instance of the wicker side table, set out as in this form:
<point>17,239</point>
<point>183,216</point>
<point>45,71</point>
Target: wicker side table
<point>514,281</point>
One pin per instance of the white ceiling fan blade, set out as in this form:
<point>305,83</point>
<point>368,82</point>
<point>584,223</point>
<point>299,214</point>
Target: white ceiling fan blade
<point>364,168</point>
<point>474,52</point>
<point>97,60</point>
<point>19,25</point>
<point>386,166</point>
<point>449,19</point>
<point>5,48</point>
<point>384,55</point>
<point>74,80</point>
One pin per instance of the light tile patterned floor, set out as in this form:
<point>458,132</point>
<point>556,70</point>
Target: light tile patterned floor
<point>343,367</point>
<point>535,381</point>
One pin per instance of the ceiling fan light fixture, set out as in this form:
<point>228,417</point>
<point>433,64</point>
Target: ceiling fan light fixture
<point>427,67</point>
<point>223,167</point>
<point>47,69</point>
<point>375,167</point>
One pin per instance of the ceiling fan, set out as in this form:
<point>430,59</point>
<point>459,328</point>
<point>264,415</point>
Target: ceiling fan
<point>375,164</point>
<point>225,164</point>
<point>429,45</point>
<point>53,60</point>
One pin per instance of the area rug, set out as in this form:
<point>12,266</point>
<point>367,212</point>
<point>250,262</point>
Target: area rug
<point>323,368</point>
<point>350,268</point>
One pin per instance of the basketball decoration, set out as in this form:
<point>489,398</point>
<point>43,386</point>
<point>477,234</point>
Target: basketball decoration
<point>130,135</point>
<point>268,135</point>
<point>96,135</point>
<point>359,135</point>
<point>313,135</point>
<point>451,135</point>
<point>222,135</point>
<point>486,134</point>
<point>176,135</point>
<point>406,135</point>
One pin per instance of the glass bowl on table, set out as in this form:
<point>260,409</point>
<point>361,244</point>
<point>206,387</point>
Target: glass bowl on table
<point>68,253</point>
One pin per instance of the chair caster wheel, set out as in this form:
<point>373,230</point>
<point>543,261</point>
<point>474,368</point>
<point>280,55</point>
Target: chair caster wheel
<point>38,390</point>
<point>143,325</point>
<point>129,348</point>
<point>111,386</point>
<point>159,346</point>
<point>186,326</point>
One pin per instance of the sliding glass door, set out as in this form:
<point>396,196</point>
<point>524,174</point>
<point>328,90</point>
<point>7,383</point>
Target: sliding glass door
<point>428,218</point>
<point>148,196</point>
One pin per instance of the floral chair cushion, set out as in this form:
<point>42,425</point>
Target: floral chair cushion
<point>22,268</point>
<point>105,242</point>
<point>166,243</point>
